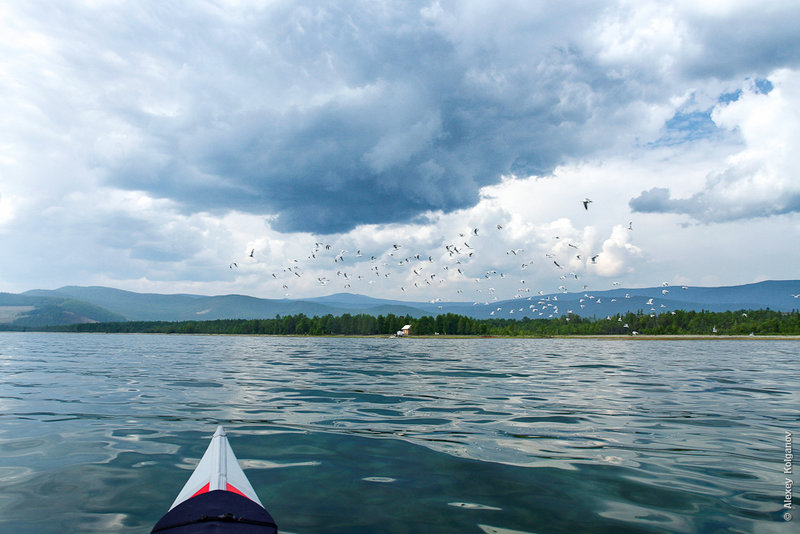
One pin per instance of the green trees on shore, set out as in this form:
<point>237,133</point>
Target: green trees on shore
<point>758,322</point>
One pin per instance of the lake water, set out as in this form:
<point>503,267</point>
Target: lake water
<point>98,433</point>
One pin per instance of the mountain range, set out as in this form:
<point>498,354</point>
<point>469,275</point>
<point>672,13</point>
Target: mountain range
<point>77,304</point>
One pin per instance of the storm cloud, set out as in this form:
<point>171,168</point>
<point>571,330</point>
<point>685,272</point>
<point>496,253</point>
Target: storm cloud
<point>328,115</point>
<point>364,115</point>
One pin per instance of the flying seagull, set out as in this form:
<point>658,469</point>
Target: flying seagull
<point>586,203</point>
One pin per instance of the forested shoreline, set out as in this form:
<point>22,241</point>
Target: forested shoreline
<point>757,322</point>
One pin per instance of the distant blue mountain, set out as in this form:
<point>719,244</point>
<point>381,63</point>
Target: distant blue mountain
<point>133,306</point>
<point>105,303</point>
<point>352,300</point>
<point>21,311</point>
<point>774,295</point>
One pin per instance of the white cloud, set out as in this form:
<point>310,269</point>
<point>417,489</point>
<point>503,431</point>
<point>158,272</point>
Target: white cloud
<point>6,210</point>
<point>615,257</point>
<point>759,179</point>
<point>642,35</point>
<point>770,128</point>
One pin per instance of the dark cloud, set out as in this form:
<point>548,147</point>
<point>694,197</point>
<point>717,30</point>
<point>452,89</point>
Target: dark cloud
<point>656,200</point>
<point>331,114</point>
<point>757,39</point>
<point>410,122</point>
<point>712,205</point>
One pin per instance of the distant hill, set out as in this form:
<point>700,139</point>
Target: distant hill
<point>75,304</point>
<point>773,295</point>
<point>35,311</point>
<point>133,306</point>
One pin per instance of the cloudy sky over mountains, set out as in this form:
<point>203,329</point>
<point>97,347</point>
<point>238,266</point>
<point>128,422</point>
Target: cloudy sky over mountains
<point>154,146</point>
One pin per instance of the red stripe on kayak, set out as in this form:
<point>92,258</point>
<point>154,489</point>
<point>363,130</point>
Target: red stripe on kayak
<point>234,490</point>
<point>204,489</point>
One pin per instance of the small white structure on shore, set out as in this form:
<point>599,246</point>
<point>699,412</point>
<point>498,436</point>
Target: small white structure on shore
<point>405,331</point>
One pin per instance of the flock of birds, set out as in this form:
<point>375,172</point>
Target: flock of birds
<point>456,263</point>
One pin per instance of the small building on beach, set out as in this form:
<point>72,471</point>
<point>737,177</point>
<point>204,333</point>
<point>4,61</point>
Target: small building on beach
<point>406,330</point>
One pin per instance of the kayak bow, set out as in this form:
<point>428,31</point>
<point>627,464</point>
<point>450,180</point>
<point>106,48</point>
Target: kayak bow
<point>217,498</point>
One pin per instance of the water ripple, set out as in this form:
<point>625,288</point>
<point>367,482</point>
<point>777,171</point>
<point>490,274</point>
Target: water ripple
<point>495,435</point>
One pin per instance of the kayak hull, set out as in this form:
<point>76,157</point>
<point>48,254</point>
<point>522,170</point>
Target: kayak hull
<point>217,511</point>
<point>217,498</point>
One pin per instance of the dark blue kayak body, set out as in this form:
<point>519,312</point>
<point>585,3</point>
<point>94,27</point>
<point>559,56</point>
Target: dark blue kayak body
<point>217,511</point>
<point>218,498</point>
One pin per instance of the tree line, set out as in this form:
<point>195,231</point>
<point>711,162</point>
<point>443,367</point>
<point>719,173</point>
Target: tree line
<point>757,322</point>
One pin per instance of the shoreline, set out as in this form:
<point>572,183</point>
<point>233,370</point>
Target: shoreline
<point>698,337</point>
<point>607,337</point>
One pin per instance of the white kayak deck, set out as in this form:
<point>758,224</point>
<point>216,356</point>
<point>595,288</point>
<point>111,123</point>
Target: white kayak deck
<point>218,470</point>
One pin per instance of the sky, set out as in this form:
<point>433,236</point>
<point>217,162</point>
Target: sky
<point>414,150</point>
